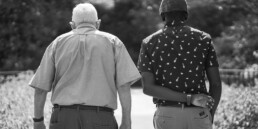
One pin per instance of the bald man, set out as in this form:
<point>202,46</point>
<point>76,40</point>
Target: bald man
<point>85,69</point>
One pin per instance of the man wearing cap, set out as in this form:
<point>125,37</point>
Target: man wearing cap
<point>173,62</point>
<point>85,69</point>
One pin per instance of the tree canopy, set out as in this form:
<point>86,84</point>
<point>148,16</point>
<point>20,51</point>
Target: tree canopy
<point>29,26</point>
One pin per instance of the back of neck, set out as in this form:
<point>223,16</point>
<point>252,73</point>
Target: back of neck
<point>175,22</point>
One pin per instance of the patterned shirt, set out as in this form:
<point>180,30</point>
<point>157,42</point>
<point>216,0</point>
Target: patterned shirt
<point>85,66</point>
<point>178,56</point>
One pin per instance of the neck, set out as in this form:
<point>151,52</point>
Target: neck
<point>85,24</point>
<point>175,23</point>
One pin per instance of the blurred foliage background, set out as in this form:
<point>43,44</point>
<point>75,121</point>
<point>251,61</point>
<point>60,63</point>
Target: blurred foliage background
<point>29,26</point>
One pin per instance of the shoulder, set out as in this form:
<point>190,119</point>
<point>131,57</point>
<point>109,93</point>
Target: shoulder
<point>203,35</point>
<point>110,37</point>
<point>58,40</point>
<point>152,37</point>
<point>105,34</point>
<point>60,37</point>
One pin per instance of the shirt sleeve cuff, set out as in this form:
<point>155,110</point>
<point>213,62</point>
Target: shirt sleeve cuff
<point>38,87</point>
<point>130,81</point>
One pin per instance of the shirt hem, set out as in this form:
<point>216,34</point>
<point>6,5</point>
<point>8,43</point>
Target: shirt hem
<point>34,86</point>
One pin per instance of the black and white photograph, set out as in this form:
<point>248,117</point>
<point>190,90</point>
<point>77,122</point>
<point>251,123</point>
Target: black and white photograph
<point>128,64</point>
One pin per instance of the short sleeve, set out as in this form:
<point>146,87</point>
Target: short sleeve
<point>144,61</point>
<point>126,70</point>
<point>211,60</point>
<point>44,76</point>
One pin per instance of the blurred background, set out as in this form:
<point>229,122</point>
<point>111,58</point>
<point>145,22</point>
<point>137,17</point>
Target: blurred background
<point>29,26</point>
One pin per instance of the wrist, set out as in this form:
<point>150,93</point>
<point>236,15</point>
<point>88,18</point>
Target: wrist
<point>41,119</point>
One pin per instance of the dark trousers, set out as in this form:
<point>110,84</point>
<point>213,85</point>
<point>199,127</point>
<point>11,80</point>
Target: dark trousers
<point>63,118</point>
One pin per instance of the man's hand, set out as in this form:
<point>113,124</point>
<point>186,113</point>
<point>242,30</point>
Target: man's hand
<point>39,125</point>
<point>202,100</point>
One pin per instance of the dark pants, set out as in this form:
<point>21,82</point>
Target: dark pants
<point>63,118</point>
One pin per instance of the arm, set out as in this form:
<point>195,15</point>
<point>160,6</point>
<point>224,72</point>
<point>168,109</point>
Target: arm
<point>151,89</point>
<point>215,86</point>
<point>39,103</point>
<point>125,100</point>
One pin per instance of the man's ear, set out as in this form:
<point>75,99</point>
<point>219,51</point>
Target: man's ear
<point>98,24</point>
<point>72,24</point>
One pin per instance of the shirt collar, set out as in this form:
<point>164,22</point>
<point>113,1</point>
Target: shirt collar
<point>84,28</point>
<point>174,24</point>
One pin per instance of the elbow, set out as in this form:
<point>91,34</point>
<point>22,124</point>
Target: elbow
<point>216,87</point>
<point>146,91</point>
<point>39,93</point>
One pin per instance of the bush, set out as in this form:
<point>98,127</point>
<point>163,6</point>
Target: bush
<point>16,103</point>
<point>238,109</point>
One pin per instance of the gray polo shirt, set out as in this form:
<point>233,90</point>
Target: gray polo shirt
<point>85,66</point>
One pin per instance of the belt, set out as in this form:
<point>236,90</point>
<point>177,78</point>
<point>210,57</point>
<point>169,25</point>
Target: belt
<point>172,104</point>
<point>83,107</point>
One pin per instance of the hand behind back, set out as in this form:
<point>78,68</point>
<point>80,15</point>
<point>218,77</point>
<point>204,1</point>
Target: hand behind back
<point>202,100</point>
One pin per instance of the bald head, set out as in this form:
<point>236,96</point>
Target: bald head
<point>84,13</point>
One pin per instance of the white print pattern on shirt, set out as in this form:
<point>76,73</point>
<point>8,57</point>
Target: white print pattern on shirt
<point>183,55</point>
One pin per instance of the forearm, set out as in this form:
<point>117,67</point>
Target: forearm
<point>163,93</point>
<point>39,102</point>
<point>125,100</point>
<point>215,93</point>
<point>213,76</point>
<point>156,91</point>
